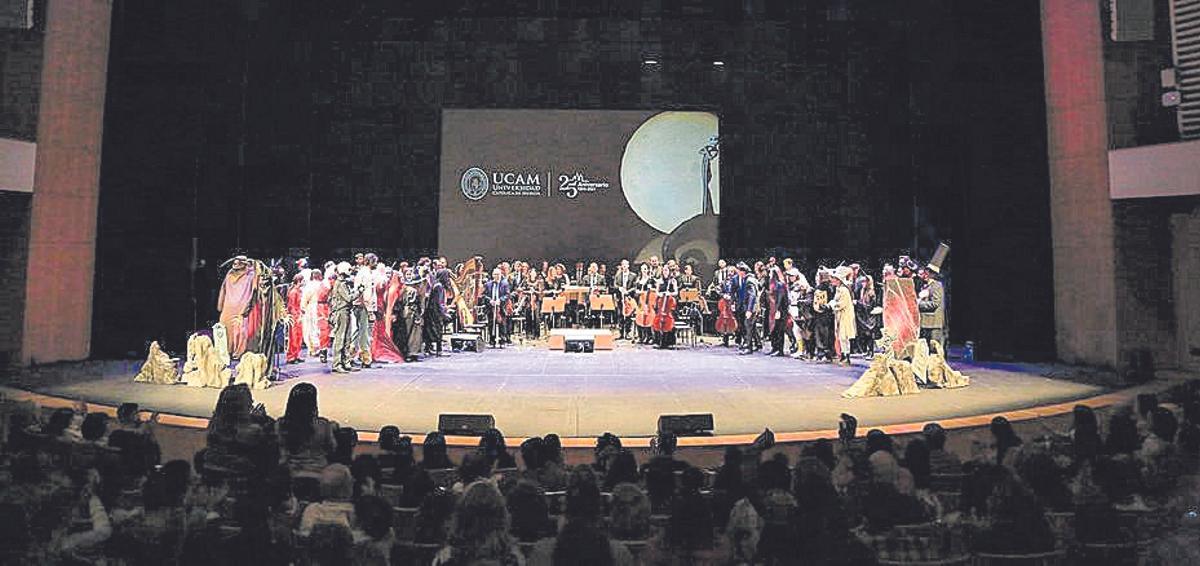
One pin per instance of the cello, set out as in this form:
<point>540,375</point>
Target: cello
<point>645,312</point>
<point>664,319</point>
<point>726,322</point>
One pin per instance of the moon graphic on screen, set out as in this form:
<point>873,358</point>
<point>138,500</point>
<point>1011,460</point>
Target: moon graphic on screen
<point>660,170</point>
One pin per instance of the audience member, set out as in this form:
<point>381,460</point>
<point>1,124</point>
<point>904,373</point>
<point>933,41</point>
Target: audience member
<point>481,530</point>
<point>941,461</point>
<point>336,505</point>
<point>433,452</point>
<point>622,469</point>
<point>305,438</point>
<point>529,511</point>
<point>629,515</point>
<point>492,447</point>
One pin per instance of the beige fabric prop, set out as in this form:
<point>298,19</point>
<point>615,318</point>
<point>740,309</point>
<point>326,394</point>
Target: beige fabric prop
<point>252,370</point>
<point>920,360</point>
<point>203,367</point>
<point>220,341</point>
<point>159,368</point>
<point>940,372</point>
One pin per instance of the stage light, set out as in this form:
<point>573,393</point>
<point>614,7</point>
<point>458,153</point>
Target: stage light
<point>719,64</point>
<point>650,62</point>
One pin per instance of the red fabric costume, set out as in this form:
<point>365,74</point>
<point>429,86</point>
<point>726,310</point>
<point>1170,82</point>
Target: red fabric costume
<point>383,349</point>
<point>323,313</point>
<point>296,333</point>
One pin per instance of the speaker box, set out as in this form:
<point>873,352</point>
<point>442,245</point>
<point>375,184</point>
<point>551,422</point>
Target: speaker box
<point>465,425</point>
<point>466,342</point>
<point>686,425</point>
<point>579,346</point>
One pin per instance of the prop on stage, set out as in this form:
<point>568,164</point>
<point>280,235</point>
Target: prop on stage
<point>253,370</point>
<point>204,367</point>
<point>901,320</point>
<point>889,375</point>
<point>159,367</point>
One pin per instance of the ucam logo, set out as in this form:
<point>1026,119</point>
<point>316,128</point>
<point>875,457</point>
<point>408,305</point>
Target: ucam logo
<point>572,185</point>
<point>474,183</point>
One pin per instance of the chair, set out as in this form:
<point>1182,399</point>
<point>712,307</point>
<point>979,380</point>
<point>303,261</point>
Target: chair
<point>1108,554</point>
<point>658,524</point>
<point>444,478</point>
<point>404,521</point>
<point>635,547</point>
<point>556,502</point>
<point>963,560</point>
<point>414,554</point>
<point>391,493</point>
<point>506,475</point>
<point>1062,524</point>
<point>685,333</point>
<point>950,483</point>
<point>1052,558</point>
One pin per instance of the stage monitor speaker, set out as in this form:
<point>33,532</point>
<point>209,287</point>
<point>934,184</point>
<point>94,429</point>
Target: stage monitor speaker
<point>579,346</point>
<point>465,425</point>
<point>700,424</point>
<point>466,342</point>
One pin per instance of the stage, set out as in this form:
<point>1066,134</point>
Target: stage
<point>532,391</point>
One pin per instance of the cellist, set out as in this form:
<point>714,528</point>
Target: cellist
<point>667,287</point>
<point>645,315</point>
<point>624,282</point>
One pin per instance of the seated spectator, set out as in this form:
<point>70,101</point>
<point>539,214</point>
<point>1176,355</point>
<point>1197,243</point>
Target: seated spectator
<point>129,419</point>
<point>659,477</point>
<point>607,447</point>
<point>1123,439</point>
<point>728,485</point>
<point>305,438</point>
<point>822,450</point>
<point>623,469</point>
<point>884,507</point>
<point>531,457</point>
<point>529,511</point>
<point>878,440</point>
<point>885,469</point>
<point>1014,523</point>
<point>480,531</point>
<point>1188,439</point>
<point>474,467</point>
<point>1007,443</point>
<point>916,464</point>
<point>346,439</point>
<point>629,513</point>
<point>389,438</point>
<point>941,461</point>
<point>493,448</point>
<point>778,509</point>
<point>417,486</point>
<point>158,531</point>
<point>367,475</point>
<point>581,540</point>
<point>332,544</point>
<point>1085,434</point>
<point>372,533</point>
<point>335,507</point>
<point>1046,481</point>
<point>400,456</point>
<point>241,446</point>
<point>92,451</point>
<point>1158,456</point>
<point>688,538</point>
<point>742,535</point>
<point>70,544</point>
<point>433,452</point>
<point>553,474</point>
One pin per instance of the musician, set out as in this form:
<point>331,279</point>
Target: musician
<point>341,303</point>
<point>721,274</point>
<point>799,297</point>
<point>822,324</point>
<point>593,279</point>
<point>778,321</point>
<point>365,308</point>
<point>865,302</point>
<point>932,305</point>
<point>624,282</point>
<point>667,287</point>
<point>533,289</point>
<point>744,291</point>
<point>645,282</point>
<point>689,280</point>
<point>439,285</point>
<point>604,278</point>
<point>410,315</point>
<point>495,301</point>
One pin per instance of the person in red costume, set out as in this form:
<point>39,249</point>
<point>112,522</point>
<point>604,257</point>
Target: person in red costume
<point>387,289</point>
<point>296,330</point>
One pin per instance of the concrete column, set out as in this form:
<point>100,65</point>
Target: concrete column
<point>62,239</point>
<point>1080,207</point>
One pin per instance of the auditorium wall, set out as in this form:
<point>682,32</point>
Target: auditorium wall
<point>287,127</point>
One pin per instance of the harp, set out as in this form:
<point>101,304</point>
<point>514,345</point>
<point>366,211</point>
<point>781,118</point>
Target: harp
<point>467,282</point>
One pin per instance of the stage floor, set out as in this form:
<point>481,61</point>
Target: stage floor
<point>534,391</point>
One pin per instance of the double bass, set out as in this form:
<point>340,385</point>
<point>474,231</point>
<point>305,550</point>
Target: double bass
<point>726,322</point>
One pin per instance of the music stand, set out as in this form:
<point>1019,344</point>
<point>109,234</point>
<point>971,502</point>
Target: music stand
<point>601,304</point>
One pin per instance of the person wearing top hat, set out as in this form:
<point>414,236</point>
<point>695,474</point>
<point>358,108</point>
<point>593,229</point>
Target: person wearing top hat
<point>932,305</point>
<point>341,305</point>
<point>845,326</point>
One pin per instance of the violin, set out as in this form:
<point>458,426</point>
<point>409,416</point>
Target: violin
<point>664,319</point>
<point>726,322</point>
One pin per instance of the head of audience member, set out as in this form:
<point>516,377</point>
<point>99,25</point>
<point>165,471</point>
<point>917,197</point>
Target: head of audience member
<point>1163,424</point>
<point>1004,436</point>
<point>337,483</point>
<point>1122,435</point>
<point>481,524</point>
<point>373,515</point>
<point>847,429</point>
<point>935,436</point>
<point>299,418</point>
<point>1045,480</point>
<point>474,467</point>
<point>529,511</point>
<point>822,450</point>
<point>878,440</point>
<point>916,460</point>
<point>743,532</point>
<point>629,513</point>
<point>367,475</point>
<point>607,447</point>
<point>232,410</point>
<point>583,497</point>
<point>582,543</point>
<point>417,486</point>
<point>1145,405</point>
<point>58,422</point>
<point>729,476</point>
<point>885,469</point>
<point>1086,441</point>
<point>665,443</point>
<point>389,436</point>
<point>552,447</point>
<point>345,438</point>
<point>532,453</point>
<point>623,469</point>
<point>433,452</point>
<point>127,415</point>
<point>492,446</point>
<point>94,426</point>
<point>773,474</point>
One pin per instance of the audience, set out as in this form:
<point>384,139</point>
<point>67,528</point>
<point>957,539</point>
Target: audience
<point>82,488</point>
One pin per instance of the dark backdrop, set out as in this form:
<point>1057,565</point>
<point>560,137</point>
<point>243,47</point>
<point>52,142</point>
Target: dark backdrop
<point>290,126</point>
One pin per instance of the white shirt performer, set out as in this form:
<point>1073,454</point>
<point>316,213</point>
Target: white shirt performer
<point>364,306</point>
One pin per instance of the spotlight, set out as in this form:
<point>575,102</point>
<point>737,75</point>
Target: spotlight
<point>719,64</point>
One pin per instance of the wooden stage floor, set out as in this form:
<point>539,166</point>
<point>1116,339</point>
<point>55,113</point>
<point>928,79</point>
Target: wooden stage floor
<point>534,391</point>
